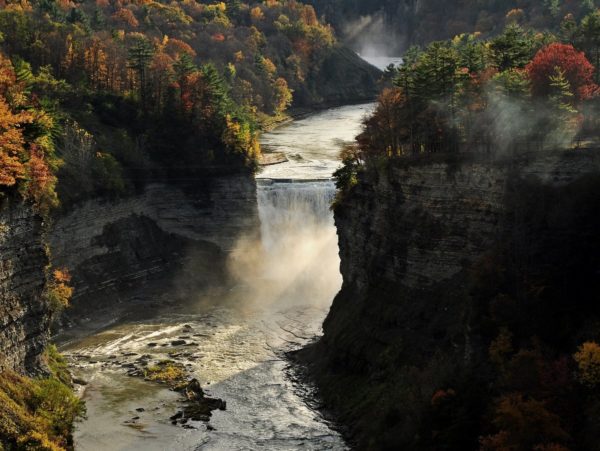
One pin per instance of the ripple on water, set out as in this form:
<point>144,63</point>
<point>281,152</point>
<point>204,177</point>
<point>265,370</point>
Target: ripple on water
<point>242,361</point>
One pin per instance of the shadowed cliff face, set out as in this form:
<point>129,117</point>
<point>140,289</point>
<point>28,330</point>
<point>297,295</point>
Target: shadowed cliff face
<point>172,238</point>
<point>415,315</point>
<point>24,315</point>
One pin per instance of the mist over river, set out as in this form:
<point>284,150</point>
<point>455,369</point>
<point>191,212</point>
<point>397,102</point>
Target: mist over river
<point>235,346</point>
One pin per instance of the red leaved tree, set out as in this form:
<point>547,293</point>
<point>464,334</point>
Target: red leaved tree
<point>577,70</point>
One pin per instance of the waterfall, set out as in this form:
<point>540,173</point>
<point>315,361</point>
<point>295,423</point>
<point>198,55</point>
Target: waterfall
<point>299,261</point>
<point>288,207</point>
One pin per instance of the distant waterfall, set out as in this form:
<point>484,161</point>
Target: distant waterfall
<point>299,240</point>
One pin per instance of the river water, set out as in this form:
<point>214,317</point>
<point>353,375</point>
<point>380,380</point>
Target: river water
<point>235,348</point>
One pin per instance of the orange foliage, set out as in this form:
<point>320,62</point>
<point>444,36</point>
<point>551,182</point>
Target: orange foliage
<point>175,47</point>
<point>308,16</point>
<point>12,143</point>
<point>524,423</point>
<point>40,176</point>
<point>218,37</point>
<point>127,17</point>
<point>256,13</point>
<point>62,275</point>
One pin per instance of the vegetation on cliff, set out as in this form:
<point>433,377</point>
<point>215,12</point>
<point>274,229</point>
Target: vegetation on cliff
<point>116,94</point>
<point>38,413</point>
<point>517,92</point>
<point>525,330</point>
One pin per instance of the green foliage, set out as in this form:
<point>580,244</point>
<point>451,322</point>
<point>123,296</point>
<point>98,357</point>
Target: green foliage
<point>513,49</point>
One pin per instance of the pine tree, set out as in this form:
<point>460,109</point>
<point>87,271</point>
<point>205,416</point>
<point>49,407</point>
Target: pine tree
<point>590,40</point>
<point>140,55</point>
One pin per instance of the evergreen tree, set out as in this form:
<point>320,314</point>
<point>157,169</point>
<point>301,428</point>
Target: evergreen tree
<point>589,40</point>
<point>140,55</point>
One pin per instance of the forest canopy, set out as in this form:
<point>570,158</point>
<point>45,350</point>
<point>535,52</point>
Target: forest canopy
<point>517,92</point>
<point>132,91</point>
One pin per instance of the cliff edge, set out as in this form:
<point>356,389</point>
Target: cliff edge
<point>445,261</point>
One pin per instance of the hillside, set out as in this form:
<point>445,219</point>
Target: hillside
<point>382,26</point>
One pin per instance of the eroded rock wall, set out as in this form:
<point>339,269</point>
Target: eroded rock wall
<point>24,314</point>
<point>404,324</point>
<point>167,231</point>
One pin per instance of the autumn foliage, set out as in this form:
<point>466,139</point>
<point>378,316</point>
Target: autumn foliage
<point>25,159</point>
<point>578,71</point>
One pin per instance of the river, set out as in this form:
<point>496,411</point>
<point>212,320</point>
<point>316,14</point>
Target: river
<point>236,353</point>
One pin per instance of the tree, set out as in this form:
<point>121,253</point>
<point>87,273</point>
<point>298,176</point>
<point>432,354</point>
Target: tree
<point>283,95</point>
<point>523,424</point>
<point>589,39</point>
<point>140,56</point>
<point>183,68</point>
<point>513,48</point>
<point>588,362</point>
<point>12,151</point>
<point>574,66</point>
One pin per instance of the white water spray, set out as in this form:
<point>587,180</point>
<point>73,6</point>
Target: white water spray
<point>296,261</point>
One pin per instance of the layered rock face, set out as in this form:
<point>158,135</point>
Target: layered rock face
<point>404,324</point>
<point>187,232</point>
<point>24,314</point>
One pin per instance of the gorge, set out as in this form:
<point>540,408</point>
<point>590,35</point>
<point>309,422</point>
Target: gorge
<point>222,228</point>
<point>232,340</point>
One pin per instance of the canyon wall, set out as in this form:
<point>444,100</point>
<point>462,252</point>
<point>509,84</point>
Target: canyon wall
<point>169,233</point>
<point>406,323</point>
<point>24,314</point>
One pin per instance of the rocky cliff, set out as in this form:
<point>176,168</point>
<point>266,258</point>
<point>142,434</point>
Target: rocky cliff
<point>179,234</point>
<point>412,318</point>
<point>24,314</point>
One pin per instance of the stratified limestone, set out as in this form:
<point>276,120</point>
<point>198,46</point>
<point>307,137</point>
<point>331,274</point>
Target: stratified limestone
<point>410,235</point>
<point>24,314</point>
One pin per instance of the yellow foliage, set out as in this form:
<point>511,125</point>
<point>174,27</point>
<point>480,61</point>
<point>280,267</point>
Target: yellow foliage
<point>283,95</point>
<point>58,292</point>
<point>165,371</point>
<point>37,414</point>
<point>588,362</point>
<point>269,66</point>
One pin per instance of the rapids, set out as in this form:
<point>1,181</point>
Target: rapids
<point>235,348</point>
